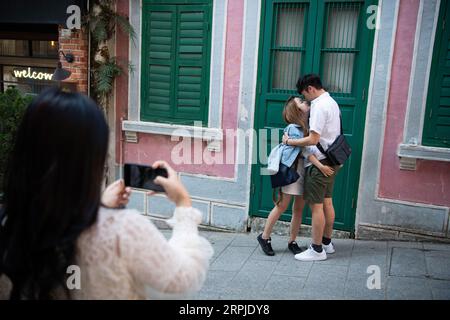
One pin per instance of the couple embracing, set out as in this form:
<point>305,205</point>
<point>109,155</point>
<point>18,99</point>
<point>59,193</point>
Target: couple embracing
<point>316,172</point>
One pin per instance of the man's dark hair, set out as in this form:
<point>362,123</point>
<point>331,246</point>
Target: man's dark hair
<point>307,80</point>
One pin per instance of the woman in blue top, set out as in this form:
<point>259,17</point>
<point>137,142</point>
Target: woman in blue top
<point>295,114</point>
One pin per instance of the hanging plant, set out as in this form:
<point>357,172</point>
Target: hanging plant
<point>105,75</point>
<point>102,21</point>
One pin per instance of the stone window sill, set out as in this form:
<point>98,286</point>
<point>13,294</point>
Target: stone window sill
<point>213,136</point>
<point>409,153</point>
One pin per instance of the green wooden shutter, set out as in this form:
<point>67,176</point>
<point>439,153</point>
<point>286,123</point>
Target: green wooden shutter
<point>437,120</point>
<point>158,52</point>
<point>192,65</point>
<point>175,70</point>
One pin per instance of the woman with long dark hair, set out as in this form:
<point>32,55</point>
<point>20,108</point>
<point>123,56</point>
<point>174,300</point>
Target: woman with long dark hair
<point>55,216</point>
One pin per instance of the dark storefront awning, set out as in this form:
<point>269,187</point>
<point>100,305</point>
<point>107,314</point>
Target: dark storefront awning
<point>38,11</point>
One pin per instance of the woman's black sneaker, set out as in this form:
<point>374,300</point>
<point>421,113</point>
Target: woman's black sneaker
<point>294,248</point>
<point>265,245</point>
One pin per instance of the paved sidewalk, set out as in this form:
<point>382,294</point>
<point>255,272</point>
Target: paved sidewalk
<point>240,270</point>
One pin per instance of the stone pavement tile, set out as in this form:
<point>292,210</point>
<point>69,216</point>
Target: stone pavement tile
<point>440,289</point>
<point>221,239</point>
<point>207,295</point>
<point>408,288</point>
<point>325,281</point>
<point>356,288</point>
<point>288,266</point>
<point>408,262</point>
<point>258,254</point>
<point>232,258</point>
<point>219,244</point>
<point>364,245</point>
<point>322,294</point>
<point>289,287</point>
<point>405,244</point>
<point>216,280</point>
<point>243,294</point>
<point>441,294</point>
<point>344,243</point>
<point>217,235</point>
<point>244,240</point>
<point>360,273</point>
<point>253,275</point>
<point>367,253</point>
<point>362,268</point>
<point>436,246</point>
<point>218,249</point>
<point>343,254</point>
<point>438,264</point>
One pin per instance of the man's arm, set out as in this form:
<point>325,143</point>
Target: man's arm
<point>310,140</point>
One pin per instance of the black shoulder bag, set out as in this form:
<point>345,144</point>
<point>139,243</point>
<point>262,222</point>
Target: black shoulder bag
<point>339,151</point>
<point>285,176</point>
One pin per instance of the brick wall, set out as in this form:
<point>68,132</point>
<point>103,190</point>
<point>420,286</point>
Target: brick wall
<point>77,44</point>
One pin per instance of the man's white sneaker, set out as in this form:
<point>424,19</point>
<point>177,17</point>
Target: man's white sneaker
<point>311,255</point>
<point>329,249</point>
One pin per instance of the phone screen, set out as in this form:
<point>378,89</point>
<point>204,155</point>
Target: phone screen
<point>142,177</point>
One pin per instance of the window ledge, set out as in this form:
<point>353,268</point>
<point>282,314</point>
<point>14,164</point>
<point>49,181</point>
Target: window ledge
<point>213,136</point>
<point>413,152</point>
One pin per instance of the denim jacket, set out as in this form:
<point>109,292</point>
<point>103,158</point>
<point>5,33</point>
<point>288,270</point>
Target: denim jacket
<point>284,153</point>
<point>290,153</point>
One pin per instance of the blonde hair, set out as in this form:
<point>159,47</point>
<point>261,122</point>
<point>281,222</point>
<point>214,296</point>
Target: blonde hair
<point>292,114</point>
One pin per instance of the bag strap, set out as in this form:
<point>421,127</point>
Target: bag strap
<point>319,146</point>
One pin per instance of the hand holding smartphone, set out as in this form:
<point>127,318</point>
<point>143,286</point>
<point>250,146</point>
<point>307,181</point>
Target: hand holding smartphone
<point>160,177</point>
<point>142,177</point>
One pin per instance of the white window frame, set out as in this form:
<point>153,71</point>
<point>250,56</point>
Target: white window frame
<point>411,147</point>
<point>213,132</point>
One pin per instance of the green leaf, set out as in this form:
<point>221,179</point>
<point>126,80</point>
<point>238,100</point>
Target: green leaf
<point>125,26</point>
<point>100,32</point>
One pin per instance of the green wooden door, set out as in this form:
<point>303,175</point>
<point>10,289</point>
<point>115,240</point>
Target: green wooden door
<point>330,38</point>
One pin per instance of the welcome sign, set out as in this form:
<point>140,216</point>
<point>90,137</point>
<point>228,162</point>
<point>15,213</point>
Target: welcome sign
<point>31,74</point>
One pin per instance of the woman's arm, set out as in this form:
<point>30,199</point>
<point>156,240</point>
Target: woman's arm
<point>175,266</point>
<point>310,140</point>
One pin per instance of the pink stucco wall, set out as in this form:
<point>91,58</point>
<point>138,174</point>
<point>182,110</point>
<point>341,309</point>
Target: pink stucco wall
<point>121,92</point>
<point>151,147</point>
<point>430,183</point>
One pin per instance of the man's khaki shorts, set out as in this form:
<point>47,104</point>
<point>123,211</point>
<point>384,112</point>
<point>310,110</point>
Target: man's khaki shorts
<point>317,186</point>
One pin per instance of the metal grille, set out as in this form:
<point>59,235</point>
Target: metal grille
<point>287,48</point>
<point>340,46</point>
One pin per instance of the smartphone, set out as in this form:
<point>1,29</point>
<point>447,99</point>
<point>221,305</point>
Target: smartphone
<point>142,177</point>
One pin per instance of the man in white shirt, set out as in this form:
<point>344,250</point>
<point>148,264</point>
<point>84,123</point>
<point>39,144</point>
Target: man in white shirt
<point>324,126</point>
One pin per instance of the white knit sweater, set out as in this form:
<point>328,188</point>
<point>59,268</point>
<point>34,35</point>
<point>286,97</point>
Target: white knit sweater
<point>124,256</point>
